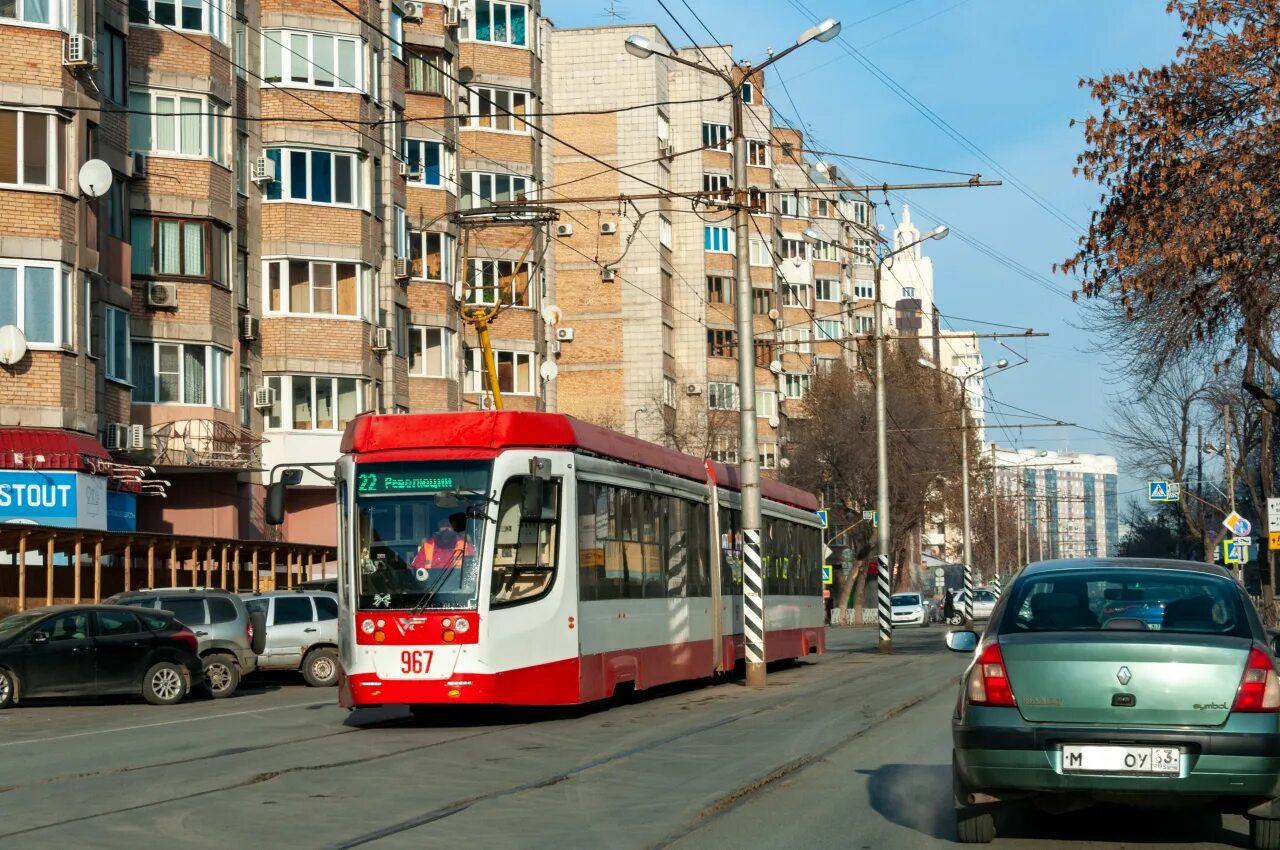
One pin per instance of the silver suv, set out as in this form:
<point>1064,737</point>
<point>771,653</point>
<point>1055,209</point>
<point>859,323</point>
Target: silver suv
<point>302,633</point>
<point>229,636</point>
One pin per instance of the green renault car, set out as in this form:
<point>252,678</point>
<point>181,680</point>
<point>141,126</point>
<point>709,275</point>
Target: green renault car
<point>1131,681</point>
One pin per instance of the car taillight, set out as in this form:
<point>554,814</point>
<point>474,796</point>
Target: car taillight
<point>988,683</point>
<point>188,637</point>
<point>1259,686</point>
<point>248,630</point>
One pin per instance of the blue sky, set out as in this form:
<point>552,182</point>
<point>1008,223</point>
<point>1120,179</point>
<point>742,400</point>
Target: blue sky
<point>1004,74</point>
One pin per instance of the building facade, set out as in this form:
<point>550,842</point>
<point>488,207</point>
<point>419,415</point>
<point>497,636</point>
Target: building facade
<point>1068,502</point>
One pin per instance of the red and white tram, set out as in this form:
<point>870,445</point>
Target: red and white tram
<point>534,559</point>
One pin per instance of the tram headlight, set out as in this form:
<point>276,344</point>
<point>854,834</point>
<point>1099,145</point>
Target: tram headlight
<point>462,625</point>
<point>446,622</point>
<point>367,627</point>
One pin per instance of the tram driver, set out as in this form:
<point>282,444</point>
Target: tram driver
<point>450,548</point>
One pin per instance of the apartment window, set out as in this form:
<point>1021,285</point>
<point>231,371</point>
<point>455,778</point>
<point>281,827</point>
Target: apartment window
<point>764,349</point>
<point>491,281</point>
<point>116,356</point>
<point>825,251</point>
<point>748,92</point>
<point>31,11</point>
<point>246,396</point>
<point>719,290</point>
<point>724,449</point>
<point>486,108</point>
<point>721,344</point>
<point>827,289</point>
<point>497,23</point>
<point>908,292</point>
<point>761,301</point>
<point>864,289</point>
<point>717,185</point>
<point>427,73</point>
<point>822,208</point>
<point>33,149</point>
<point>664,131</point>
<point>314,402</point>
<point>179,373</point>
<point>757,153</point>
<point>397,36</point>
<point>176,247</point>
<point>761,253</point>
<point>789,205</point>
<point>796,339</point>
<point>669,396</point>
<point>401,232</point>
<point>794,249</point>
<point>376,189</point>
<point>240,49</point>
<point>240,164</point>
<point>114,201</point>
<point>375,79</point>
<point>797,295</point>
<point>190,15</point>
<point>316,287</point>
<point>400,341</point>
<point>795,386</point>
<point>113,66</point>
<point>170,124</point>
<point>757,201</point>
<point>768,455</point>
<point>515,372</point>
<point>859,212</point>
<point>722,395</point>
<point>312,60</point>
<point>37,298</point>
<point>766,404</point>
<point>717,239</point>
<point>430,352</point>
<point>829,329</point>
<point>483,189</point>
<point>431,255</point>
<point>715,136</point>
<point>242,278</point>
<point>865,324</point>
<point>664,231</point>
<point>315,176</point>
<point>862,251</point>
<point>824,365</point>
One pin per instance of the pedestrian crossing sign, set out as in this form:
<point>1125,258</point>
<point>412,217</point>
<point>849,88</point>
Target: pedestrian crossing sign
<point>826,574</point>
<point>1236,550</point>
<point>822,518</point>
<point>1157,491</point>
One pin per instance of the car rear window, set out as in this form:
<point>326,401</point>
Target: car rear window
<point>186,610</point>
<point>156,623</point>
<point>326,608</point>
<point>1127,600</point>
<point>222,610</point>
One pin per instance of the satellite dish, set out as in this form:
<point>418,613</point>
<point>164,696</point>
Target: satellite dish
<point>13,345</point>
<point>775,366</point>
<point>774,421</point>
<point>95,178</point>
<point>551,314</point>
<point>548,370</point>
<point>466,74</point>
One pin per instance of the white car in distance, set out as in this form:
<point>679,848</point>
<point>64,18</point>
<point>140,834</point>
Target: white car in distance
<point>908,610</point>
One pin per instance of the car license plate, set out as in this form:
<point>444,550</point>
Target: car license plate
<point>1099,758</point>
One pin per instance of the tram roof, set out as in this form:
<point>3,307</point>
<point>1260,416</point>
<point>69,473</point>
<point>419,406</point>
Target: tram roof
<point>493,430</point>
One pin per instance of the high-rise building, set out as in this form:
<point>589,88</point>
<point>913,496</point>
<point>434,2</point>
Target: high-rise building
<point>1068,501</point>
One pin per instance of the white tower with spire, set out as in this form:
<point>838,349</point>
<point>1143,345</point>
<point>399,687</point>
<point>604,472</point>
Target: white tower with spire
<point>907,287</point>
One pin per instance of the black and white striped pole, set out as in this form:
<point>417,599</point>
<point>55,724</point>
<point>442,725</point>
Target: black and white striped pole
<point>884,610</point>
<point>752,606</point>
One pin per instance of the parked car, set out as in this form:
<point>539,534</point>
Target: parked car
<point>302,633</point>
<point>984,602</point>
<point>1071,700</point>
<point>229,637</point>
<point>84,650</point>
<point>908,610</point>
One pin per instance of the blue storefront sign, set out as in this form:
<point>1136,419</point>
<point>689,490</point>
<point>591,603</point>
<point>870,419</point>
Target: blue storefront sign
<point>122,511</point>
<point>62,499</point>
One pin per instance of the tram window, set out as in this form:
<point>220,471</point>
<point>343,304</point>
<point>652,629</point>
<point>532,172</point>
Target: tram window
<point>526,552</point>
<point>699,557</point>
<point>677,522</point>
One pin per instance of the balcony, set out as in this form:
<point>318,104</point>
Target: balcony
<point>204,443</point>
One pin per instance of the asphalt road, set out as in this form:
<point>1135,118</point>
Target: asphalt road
<point>850,750</point>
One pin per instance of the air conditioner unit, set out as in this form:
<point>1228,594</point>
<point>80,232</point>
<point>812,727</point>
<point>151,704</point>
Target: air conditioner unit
<point>608,228</point>
<point>410,170</point>
<point>456,14</point>
<point>263,170</point>
<point>402,267</point>
<point>564,334</point>
<point>565,229</point>
<point>669,150</point>
<point>692,389</point>
<point>381,339</point>
<point>264,396</point>
<point>412,11</point>
<point>137,164</point>
<point>248,328</point>
<point>608,275</point>
<point>117,437</point>
<point>137,438</point>
<point>162,295</point>
<point>77,51</point>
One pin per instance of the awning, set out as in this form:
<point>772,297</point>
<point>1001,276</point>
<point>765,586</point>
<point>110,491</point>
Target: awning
<point>50,448</point>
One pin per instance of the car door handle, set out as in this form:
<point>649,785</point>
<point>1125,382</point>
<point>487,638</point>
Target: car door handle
<point>202,634</point>
<point>79,649</point>
<point>308,630</point>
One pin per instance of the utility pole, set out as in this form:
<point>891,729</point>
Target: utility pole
<point>1226,455</point>
<point>995,516</point>
<point>883,539</point>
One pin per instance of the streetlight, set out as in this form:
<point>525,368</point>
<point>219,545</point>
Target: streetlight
<point>964,469</point>
<point>635,422</point>
<point>749,443</point>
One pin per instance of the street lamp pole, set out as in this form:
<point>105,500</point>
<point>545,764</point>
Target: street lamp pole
<point>995,515</point>
<point>635,422</point>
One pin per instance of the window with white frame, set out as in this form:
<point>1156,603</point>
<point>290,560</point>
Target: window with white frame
<point>864,289</point>
<point>761,254</point>
<point>794,249</point>
<point>401,232</point>
<point>789,205</point>
<point>428,73</point>
<point>826,289</point>
<point>240,163</point>
<point>430,352</point>
<point>669,396</point>
<point>825,251</point>
<point>718,240</point>
<point>240,49</point>
<point>485,108</point>
<point>858,212</point>
<point>397,36</point>
<point>497,23</point>
<point>722,395</point>
<point>113,65</point>
<point>33,149</point>
<point>164,123</point>
<point>36,297</point>
<point>314,402</point>
<point>724,448</point>
<point>246,396</point>
<point>862,251</point>
<point>115,357</point>
<point>32,12</point>
<point>179,247</point>
<point>484,188</point>
<point>431,255</point>
<point>316,177</point>
<point>829,329</point>
<point>313,287</point>
<point>491,281</point>
<point>797,295</point>
<point>795,386</point>
<point>768,455</point>
<point>748,92</point>
<point>796,340</point>
<point>865,324</point>
<point>664,231</point>
<point>205,16</point>
<point>179,373</point>
<point>312,60</point>
<point>822,208</point>
<point>715,136</point>
<point>824,365</point>
<point>908,292</point>
<point>515,372</point>
<point>757,153</point>
<point>766,404</point>
<point>664,130</point>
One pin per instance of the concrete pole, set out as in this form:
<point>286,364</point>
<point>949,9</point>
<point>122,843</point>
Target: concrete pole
<point>964,495</point>
<point>995,516</point>
<point>884,575</point>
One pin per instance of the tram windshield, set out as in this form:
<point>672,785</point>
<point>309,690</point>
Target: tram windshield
<point>420,530</point>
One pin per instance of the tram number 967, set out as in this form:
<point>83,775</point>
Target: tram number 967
<point>415,662</point>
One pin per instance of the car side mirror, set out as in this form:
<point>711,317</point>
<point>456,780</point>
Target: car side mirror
<point>38,638</point>
<point>962,640</point>
<point>1275,645</point>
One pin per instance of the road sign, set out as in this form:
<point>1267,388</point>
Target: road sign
<point>939,572</point>
<point>940,582</point>
<point>1175,491</point>
<point>875,519</point>
<point>1274,542</point>
<point>1238,525</point>
<point>868,515</point>
<point>1236,550</point>
<point>822,518</point>
<point>826,574</point>
<point>1273,514</point>
<point>1157,491</point>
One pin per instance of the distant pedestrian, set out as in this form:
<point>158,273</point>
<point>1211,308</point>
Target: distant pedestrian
<point>948,606</point>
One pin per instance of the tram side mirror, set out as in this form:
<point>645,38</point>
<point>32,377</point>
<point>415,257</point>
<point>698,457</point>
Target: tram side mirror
<point>536,494</point>
<point>275,495</point>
